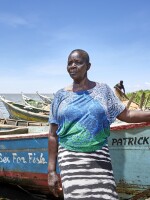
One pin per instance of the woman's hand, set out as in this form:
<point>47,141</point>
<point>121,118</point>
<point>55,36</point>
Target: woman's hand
<point>54,183</point>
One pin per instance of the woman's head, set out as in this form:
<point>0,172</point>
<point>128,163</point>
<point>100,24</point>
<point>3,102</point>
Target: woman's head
<point>78,64</point>
<point>83,53</point>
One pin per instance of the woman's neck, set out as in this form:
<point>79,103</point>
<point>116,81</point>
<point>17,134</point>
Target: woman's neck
<point>79,86</point>
<point>83,85</point>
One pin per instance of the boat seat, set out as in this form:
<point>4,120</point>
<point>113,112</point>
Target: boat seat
<point>10,130</point>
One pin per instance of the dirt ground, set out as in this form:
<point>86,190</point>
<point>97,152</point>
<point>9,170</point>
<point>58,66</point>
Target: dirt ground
<point>10,192</point>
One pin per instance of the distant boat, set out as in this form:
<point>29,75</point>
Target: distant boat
<point>24,159</point>
<point>35,104</point>
<point>45,98</point>
<point>1,114</point>
<point>28,113</point>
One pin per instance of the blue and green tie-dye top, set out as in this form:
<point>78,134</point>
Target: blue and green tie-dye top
<point>84,117</point>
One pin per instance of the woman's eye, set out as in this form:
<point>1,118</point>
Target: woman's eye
<point>78,63</point>
<point>69,63</point>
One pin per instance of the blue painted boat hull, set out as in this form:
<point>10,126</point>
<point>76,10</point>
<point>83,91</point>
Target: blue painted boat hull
<point>129,146</point>
<point>24,158</point>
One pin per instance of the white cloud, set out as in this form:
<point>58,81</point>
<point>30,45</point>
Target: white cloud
<point>147,83</point>
<point>51,68</point>
<point>12,20</point>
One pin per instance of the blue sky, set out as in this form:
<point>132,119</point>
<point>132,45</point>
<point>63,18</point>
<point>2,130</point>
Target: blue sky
<point>36,37</point>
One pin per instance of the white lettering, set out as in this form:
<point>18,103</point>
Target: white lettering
<point>18,159</point>
<point>31,158</point>
<point>4,159</point>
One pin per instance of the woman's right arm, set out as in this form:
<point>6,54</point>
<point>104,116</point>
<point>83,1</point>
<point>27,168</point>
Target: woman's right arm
<point>53,181</point>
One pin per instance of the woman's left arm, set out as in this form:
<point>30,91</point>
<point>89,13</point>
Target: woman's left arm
<point>134,116</point>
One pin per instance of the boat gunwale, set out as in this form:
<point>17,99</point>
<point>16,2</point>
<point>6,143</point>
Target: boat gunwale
<point>45,133</point>
<point>25,136</point>
<point>119,126</point>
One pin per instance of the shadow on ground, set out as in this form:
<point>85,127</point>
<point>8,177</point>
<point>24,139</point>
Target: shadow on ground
<point>11,192</point>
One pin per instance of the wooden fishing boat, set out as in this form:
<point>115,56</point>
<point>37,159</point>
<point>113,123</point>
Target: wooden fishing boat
<point>130,103</point>
<point>45,98</point>
<point>16,122</point>
<point>126,101</point>
<point>24,159</point>
<point>35,104</point>
<point>28,113</point>
<point>11,130</point>
<point>132,106</point>
<point>129,146</point>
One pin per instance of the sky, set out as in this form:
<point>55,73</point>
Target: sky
<point>36,37</point>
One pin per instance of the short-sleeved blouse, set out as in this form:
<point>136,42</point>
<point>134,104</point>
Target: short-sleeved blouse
<point>84,117</point>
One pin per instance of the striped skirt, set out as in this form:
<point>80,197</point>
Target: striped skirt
<point>87,176</point>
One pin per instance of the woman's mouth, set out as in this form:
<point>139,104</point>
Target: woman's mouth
<point>73,73</point>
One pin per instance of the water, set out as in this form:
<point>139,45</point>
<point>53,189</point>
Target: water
<point>17,98</point>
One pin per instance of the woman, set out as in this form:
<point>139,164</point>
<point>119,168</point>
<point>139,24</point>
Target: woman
<point>80,120</point>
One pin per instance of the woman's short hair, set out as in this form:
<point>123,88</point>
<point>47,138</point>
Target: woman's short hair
<point>84,53</point>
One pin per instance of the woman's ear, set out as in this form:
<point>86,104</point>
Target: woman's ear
<point>88,66</point>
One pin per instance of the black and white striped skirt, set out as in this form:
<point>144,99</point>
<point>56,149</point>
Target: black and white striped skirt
<point>87,176</point>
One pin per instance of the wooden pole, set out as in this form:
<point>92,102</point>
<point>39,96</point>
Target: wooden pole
<point>142,100</point>
<point>130,100</point>
<point>146,102</point>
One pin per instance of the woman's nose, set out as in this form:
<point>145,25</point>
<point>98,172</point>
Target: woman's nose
<point>73,65</point>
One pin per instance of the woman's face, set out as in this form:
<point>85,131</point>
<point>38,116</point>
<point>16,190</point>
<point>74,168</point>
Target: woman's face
<point>77,66</point>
